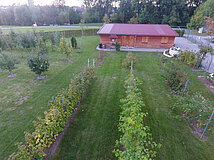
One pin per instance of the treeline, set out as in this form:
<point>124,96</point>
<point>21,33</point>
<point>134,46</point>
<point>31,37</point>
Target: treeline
<point>172,12</point>
<point>43,15</point>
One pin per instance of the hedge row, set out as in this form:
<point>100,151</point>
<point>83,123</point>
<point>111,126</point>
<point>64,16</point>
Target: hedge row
<point>136,140</point>
<point>48,128</point>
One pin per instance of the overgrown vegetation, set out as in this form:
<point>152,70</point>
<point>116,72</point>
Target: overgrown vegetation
<point>136,141</point>
<point>48,128</point>
<point>195,108</point>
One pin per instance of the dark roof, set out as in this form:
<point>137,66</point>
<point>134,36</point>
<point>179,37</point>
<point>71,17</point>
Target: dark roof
<point>138,29</point>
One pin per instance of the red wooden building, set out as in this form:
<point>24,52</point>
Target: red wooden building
<point>137,35</point>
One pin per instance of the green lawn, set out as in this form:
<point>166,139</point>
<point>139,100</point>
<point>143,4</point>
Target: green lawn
<point>23,99</point>
<point>93,133</point>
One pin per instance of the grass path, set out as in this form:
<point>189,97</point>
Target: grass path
<point>93,133</point>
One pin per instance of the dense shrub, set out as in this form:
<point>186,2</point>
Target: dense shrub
<point>26,40</point>
<point>55,38</point>
<point>175,78</point>
<point>38,61</point>
<point>136,141</point>
<point>8,61</point>
<point>190,58</point>
<point>180,32</point>
<point>48,128</point>
<point>194,108</point>
<point>130,59</point>
<point>117,46</point>
<point>73,42</point>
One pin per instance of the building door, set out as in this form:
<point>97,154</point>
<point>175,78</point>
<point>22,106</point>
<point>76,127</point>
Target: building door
<point>131,41</point>
<point>123,40</point>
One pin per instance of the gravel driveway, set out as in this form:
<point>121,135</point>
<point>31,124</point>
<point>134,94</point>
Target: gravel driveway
<point>185,44</point>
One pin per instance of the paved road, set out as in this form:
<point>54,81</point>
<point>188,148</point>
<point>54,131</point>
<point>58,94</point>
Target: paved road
<point>185,44</point>
<point>27,27</point>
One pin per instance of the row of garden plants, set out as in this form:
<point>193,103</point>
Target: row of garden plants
<point>136,141</point>
<point>60,109</point>
<point>38,60</point>
<point>193,107</point>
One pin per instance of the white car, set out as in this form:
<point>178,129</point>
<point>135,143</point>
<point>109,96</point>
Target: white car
<point>171,52</point>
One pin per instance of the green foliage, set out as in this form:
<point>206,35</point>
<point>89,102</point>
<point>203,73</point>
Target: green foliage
<point>175,78</point>
<point>203,52</point>
<point>194,108</point>
<point>133,20</point>
<point>106,19</point>
<point>130,58</point>
<point>26,40</point>
<point>8,61</point>
<point>180,32</point>
<point>60,109</point>
<point>64,47</point>
<point>117,46</point>
<point>190,58</point>
<point>136,141</point>
<point>38,62</point>
<point>73,42</point>
<point>204,10</point>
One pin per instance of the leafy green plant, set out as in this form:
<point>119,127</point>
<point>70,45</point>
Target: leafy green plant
<point>117,46</point>
<point>136,141</point>
<point>73,42</point>
<point>64,47</point>
<point>194,108</point>
<point>190,58</point>
<point>60,109</point>
<point>130,58</point>
<point>203,51</point>
<point>38,62</point>
<point>8,62</point>
<point>175,78</point>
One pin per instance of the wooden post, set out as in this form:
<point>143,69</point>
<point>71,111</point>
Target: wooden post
<point>88,63</point>
<point>93,63</point>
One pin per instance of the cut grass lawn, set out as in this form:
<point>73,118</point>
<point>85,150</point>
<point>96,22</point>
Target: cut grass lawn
<point>23,98</point>
<point>93,132</point>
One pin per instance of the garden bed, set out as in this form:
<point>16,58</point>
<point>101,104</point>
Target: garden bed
<point>208,83</point>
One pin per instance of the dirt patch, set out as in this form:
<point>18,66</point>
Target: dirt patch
<point>208,83</point>
<point>10,109</point>
<point>21,100</point>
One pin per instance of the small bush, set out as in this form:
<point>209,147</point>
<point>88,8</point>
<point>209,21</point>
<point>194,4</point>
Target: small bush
<point>38,62</point>
<point>64,47</point>
<point>8,62</point>
<point>190,58</point>
<point>117,46</point>
<point>175,78</point>
<point>128,60</point>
